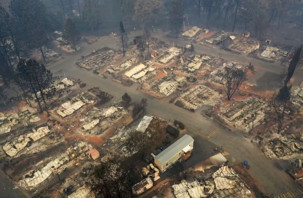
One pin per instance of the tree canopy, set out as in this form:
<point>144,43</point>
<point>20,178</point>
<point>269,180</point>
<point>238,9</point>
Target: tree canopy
<point>71,33</point>
<point>176,14</point>
<point>31,23</point>
<point>35,77</point>
<point>233,78</point>
<point>147,12</point>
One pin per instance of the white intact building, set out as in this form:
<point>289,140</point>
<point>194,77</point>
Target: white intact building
<point>174,152</point>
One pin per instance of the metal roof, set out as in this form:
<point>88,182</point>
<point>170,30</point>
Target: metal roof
<point>174,149</point>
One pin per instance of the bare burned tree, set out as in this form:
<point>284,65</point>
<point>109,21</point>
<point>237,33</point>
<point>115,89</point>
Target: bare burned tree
<point>147,13</point>
<point>293,65</point>
<point>139,108</point>
<point>233,78</point>
<point>71,33</point>
<point>281,103</point>
<point>35,77</point>
<point>142,46</point>
<point>123,38</point>
<point>126,100</point>
<point>176,15</point>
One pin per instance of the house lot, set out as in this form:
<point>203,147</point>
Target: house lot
<point>244,114</point>
<point>224,182</point>
<point>12,120</point>
<point>192,32</point>
<point>98,59</point>
<point>272,54</point>
<point>13,147</point>
<point>97,120</point>
<point>39,150</point>
<point>209,178</point>
<point>217,75</point>
<point>244,45</point>
<point>53,165</point>
<point>198,96</point>
<point>217,38</point>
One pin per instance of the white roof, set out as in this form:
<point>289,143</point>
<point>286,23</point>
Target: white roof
<point>174,149</point>
<point>187,149</point>
<point>144,123</point>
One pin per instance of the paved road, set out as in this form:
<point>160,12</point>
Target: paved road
<point>262,66</point>
<point>7,189</point>
<point>267,172</point>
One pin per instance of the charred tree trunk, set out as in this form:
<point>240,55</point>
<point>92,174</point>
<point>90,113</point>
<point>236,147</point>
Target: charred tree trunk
<point>209,12</point>
<point>40,89</point>
<point>199,9</point>
<point>225,16</point>
<point>43,55</point>
<point>235,18</point>
<point>63,8</point>
<point>36,96</point>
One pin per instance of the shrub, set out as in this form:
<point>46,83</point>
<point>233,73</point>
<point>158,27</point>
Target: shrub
<point>179,124</point>
<point>172,131</point>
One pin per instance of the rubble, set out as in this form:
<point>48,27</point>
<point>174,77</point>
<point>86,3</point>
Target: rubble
<point>11,120</point>
<point>217,75</point>
<point>116,68</point>
<point>109,111</point>
<point>97,120</point>
<point>284,148</point>
<point>69,108</point>
<point>62,44</point>
<point>223,183</point>
<point>190,189</point>
<point>97,59</point>
<point>151,171</point>
<point>169,55</point>
<point>58,89</point>
<point>135,70</point>
<point>198,96</point>
<point>195,64</point>
<point>273,54</point>
<point>67,82</point>
<point>192,32</point>
<point>297,97</point>
<point>35,177</point>
<point>81,192</point>
<point>76,103</point>
<point>244,45</point>
<point>217,38</point>
<point>220,179</point>
<point>168,87</point>
<point>143,125</point>
<point>91,125</point>
<point>50,54</point>
<point>142,186</point>
<point>15,146</point>
<point>142,73</point>
<point>34,119</point>
<point>245,114</point>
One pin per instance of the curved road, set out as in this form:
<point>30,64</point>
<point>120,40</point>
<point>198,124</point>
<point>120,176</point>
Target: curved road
<point>267,172</point>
